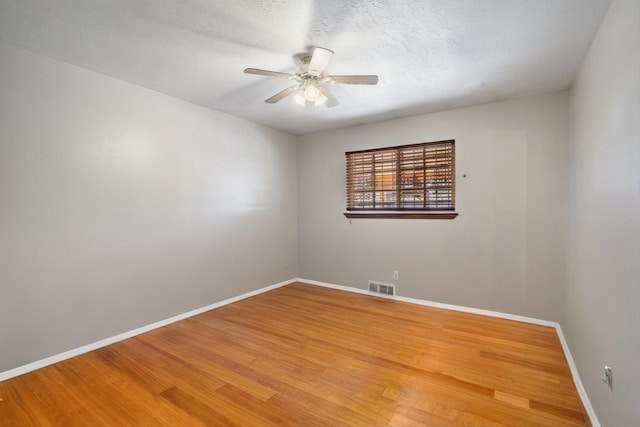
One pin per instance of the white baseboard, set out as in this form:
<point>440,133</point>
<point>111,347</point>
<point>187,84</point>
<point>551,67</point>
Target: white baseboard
<point>565,347</point>
<point>107,341</point>
<point>102,343</point>
<point>435,304</point>
<point>576,379</point>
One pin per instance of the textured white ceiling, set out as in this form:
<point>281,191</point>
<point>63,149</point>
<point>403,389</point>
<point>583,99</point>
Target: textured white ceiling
<point>430,55</point>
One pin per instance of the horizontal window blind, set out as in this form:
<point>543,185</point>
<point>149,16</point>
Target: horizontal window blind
<point>409,177</point>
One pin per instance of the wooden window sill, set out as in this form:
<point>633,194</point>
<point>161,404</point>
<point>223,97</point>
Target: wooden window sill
<point>400,215</point>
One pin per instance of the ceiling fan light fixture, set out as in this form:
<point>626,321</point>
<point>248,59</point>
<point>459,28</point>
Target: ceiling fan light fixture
<point>310,79</point>
<point>310,94</point>
<point>299,99</point>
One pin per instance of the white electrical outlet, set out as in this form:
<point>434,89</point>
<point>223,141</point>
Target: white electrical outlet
<point>608,376</point>
<point>396,276</point>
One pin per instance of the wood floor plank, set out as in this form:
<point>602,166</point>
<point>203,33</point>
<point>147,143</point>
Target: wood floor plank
<point>304,355</point>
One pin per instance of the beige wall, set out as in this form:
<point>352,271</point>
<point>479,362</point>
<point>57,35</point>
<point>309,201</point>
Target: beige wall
<point>504,252</point>
<point>120,206</point>
<point>603,298</point>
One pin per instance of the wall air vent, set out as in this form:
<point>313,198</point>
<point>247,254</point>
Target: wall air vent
<point>382,288</point>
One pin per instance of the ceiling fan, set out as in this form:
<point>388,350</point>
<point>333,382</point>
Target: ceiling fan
<point>310,80</point>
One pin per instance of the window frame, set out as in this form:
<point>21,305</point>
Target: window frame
<point>396,178</point>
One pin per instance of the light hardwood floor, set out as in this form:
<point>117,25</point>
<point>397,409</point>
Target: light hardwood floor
<point>303,355</point>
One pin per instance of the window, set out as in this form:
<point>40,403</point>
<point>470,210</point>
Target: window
<point>415,179</point>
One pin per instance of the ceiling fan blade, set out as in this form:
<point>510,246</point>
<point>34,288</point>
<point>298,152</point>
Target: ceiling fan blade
<point>267,73</point>
<point>331,100</point>
<point>319,60</point>
<point>353,80</point>
<point>283,94</point>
